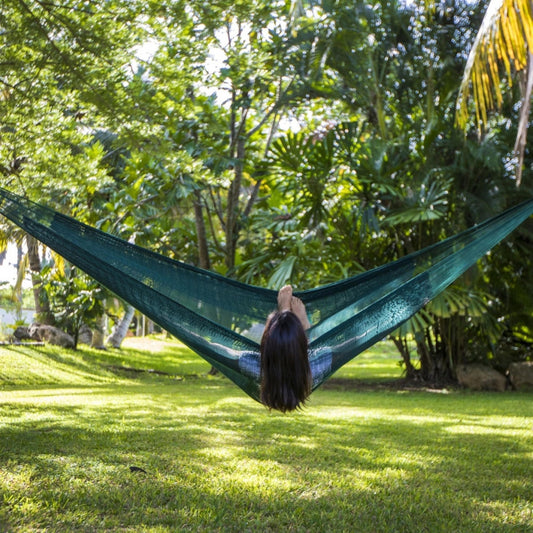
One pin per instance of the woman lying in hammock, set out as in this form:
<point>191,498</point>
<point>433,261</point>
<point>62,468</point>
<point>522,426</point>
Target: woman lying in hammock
<point>286,379</point>
<point>285,368</point>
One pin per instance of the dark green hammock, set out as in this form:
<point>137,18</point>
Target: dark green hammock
<point>212,314</point>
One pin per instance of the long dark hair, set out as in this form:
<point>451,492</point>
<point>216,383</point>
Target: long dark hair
<point>285,372</point>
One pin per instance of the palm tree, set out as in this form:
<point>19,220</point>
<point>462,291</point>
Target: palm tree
<point>502,50</point>
<point>121,329</point>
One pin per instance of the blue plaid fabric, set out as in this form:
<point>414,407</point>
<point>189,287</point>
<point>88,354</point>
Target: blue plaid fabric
<point>250,365</point>
<point>319,361</point>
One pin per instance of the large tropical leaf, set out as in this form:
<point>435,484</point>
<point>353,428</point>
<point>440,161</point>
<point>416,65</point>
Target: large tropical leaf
<point>283,273</point>
<point>429,202</point>
<point>502,49</point>
<point>504,38</point>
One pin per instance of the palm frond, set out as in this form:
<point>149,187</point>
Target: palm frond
<point>283,273</point>
<point>499,51</point>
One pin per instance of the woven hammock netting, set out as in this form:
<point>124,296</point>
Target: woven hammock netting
<point>213,314</point>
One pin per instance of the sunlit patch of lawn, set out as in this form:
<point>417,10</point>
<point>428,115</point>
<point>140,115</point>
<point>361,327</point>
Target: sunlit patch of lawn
<point>215,460</point>
<point>380,363</point>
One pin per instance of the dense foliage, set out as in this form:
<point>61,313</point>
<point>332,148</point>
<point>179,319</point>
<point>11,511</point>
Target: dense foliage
<point>275,142</point>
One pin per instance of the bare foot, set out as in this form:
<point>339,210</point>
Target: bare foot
<point>298,308</point>
<point>284,298</point>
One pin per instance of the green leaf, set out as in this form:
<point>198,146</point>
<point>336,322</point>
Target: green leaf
<point>282,274</point>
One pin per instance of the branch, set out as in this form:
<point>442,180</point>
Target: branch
<point>272,110</point>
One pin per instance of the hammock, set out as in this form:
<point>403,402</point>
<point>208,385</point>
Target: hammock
<point>213,315</point>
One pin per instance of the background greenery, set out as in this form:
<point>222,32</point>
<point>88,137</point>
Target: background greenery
<point>356,459</point>
<point>273,142</point>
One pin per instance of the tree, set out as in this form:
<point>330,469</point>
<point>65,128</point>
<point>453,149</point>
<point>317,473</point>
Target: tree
<point>207,125</point>
<point>186,150</point>
<point>120,329</point>
<point>501,51</point>
<point>394,178</point>
<point>42,304</point>
<point>74,299</point>
<point>61,63</point>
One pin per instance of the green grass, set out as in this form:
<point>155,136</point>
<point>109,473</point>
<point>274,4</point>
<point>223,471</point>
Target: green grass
<point>369,461</point>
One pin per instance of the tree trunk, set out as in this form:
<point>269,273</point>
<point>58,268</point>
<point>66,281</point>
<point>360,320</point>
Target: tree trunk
<point>438,351</point>
<point>21,271</point>
<point>526,88</point>
<point>139,325</point>
<point>427,360</point>
<point>401,345</point>
<point>42,305</point>
<point>99,333</point>
<point>201,234</point>
<point>121,329</point>
<point>145,326</point>
<point>232,219</point>
<point>203,252</point>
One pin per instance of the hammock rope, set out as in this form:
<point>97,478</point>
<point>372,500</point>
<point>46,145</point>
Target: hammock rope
<point>213,314</point>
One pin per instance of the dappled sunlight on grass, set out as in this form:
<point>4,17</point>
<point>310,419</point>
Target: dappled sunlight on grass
<point>22,365</point>
<point>379,363</point>
<point>216,460</point>
<point>170,355</point>
<point>211,465</point>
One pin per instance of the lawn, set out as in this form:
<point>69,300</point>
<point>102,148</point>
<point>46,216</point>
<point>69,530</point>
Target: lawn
<point>207,458</point>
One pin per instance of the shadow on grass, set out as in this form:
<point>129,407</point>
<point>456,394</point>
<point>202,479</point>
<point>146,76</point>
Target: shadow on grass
<point>49,365</point>
<point>217,461</point>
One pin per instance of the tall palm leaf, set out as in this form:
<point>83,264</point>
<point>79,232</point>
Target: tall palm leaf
<point>503,48</point>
